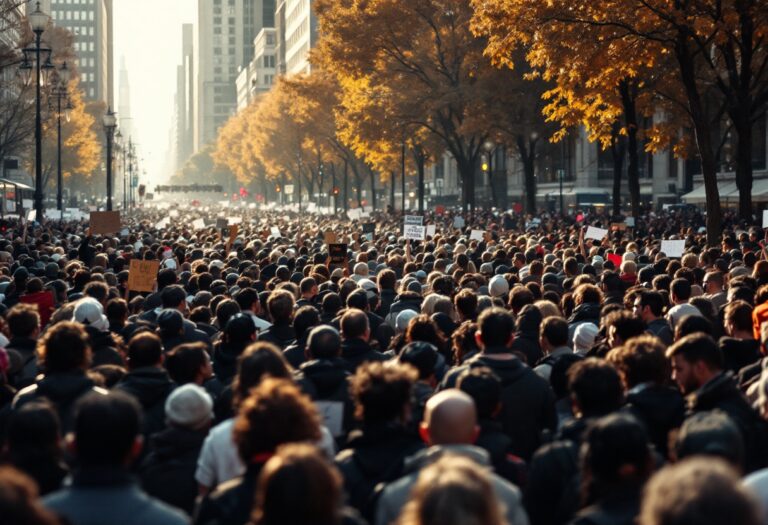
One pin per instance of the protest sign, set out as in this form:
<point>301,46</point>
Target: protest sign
<point>476,235</point>
<point>415,233</point>
<point>337,254</point>
<point>142,275</point>
<point>431,230</point>
<point>459,223</point>
<point>630,222</point>
<point>274,231</point>
<point>369,228</point>
<point>221,223</point>
<point>102,222</point>
<point>198,224</point>
<point>673,248</point>
<point>595,233</point>
<point>615,259</point>
<point>413,220</point>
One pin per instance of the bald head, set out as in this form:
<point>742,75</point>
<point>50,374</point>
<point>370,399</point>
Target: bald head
<point>449,419</point>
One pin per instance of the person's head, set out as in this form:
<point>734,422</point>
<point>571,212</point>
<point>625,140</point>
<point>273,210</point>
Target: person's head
<point>298,469</point>
<point>621,326</point>
<point>239,331</point>
<point>308,287</point>
<point>711,433</point>
<point>453,491</point>
<point>484,387</point>
<point>422,356</point>
<point>496,329</point>
<point>649,305</point>
<point>306,318</point>
<point>145,349</point>
<point>274,413</point>
<point>450,418</point>
<point>324,342</point>
<point>466,304</point>
<point>19,500</point>
<point>595,388</point>
<point>280,306</point>
<point>641,360</point>
<point>226,310</point>
<point>738,319</point>
<point>587,294</point>
<point>680,291</point>
<point>174,296</point>
<point>354,325</point>
<point>381,391</point>
<point>33,432</point>
<point>188,363</point>
<point>258,361</point>
<point>189,407</point>
<point>24,321</point>
<point>615,454</point>
<point>713,282</point>
<point>691,324</point>
<point>64,348</point>
<point>553,333</point>
<point>107,430</point>
<point>695,359</point>
<point>704,491</point>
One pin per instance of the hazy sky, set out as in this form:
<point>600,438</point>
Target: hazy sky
<point>148,35</point>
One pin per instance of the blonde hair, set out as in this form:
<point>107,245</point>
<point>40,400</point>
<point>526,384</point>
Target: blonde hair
<point>548,309</point>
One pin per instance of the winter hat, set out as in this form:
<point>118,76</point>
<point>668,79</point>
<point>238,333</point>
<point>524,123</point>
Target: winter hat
<point>584,337</point>
<point>189,406</point>
<point>498,286</point>
<point>676,313</point>
<point>88,311</point>
<point>402,320</point>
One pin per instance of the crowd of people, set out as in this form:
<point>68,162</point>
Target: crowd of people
<point>525,375</point>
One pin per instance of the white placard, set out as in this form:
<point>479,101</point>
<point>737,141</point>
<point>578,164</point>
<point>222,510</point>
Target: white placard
<point>431,230</point>
<point>124,232</point>
<point>27,204</point>
<point>630,222</point>
<point>289,189</point>
<point>765,218</point>
<point>458,222</point>
<point>311,207</point>
<point>673,248</point>
<point>332,413</point>
<point>274,231</point>
<point>414,232</point>
<point>477,235</point>
<point>595,233</point>
<point>354,214</point>
<point>414,220</point>
<point>234,220</point>
<point>163,223</point>
<point>198,224</point>
<point>31,215</point>
<point>173,214</point>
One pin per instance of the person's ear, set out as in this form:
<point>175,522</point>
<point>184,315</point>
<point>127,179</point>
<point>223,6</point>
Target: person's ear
<point>136,447</point>
<point>475,433</point>
<point>424,432</point>
<point>479,339</point>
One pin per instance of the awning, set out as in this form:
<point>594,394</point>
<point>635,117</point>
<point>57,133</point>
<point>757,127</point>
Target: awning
<point>760,190</point>
<point>726,190</point>
<point>18,185</point>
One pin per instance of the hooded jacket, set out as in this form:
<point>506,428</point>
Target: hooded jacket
<point>660,408</point>
<point>396,494</point>
<point>583,313</point>
<point>400,304</point>
<point>280,335</point>
<point>103,348</point>
<point>327,381</point>
<point>526,340</point>
<point>151,386</point>
<point>527,400</point>
<point>355,352</point>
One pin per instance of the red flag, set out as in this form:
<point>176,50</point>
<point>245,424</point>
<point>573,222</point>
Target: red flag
<point>615,259</point>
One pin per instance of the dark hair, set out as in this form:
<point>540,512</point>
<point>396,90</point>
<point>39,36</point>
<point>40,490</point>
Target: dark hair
<point>19,501</point>
<point>172,296</point>
<point>358,299</point>
<point>106,427</point>
<point>386,279</point>
<point>691,324</point>
<point>280,306</point>
<point>596,387</point>
<point>259,360</point>
<point>23,320</point>
<point>466,303</point>
<point>246,297</point>
<point>306,318</point>
<point>681,289</point>
<point>652,300</point>
<point>97,290</point>
<point>184,362</point>
<point>354,323</point>
<point>641,360</point>
<point>144,349</point>
<point>224,312</point>
<point>64,347</point>
<point>696,348</point>
<point>382,390</point>
<point>484,387</point>
<point>626,325</point>
<point>324,342</point>
<point>496,327</point>
<point>739,313</point>
<point>34,434</point>
<point>555,330</point>
<point>275,412</point>
<point>519,296</point>
<point>117,309</point>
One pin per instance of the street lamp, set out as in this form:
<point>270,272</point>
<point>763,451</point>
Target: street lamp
<point>59,93</point>
<point>489,147</point>
<point>110,123</point>
<point>38,21</point>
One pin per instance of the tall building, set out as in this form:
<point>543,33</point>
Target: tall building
<point>222,45</point>
<point>125,121</point>
<point>185,96</point>
<point>91,23</point>
<point>300,35</point>
<point>259,75</point>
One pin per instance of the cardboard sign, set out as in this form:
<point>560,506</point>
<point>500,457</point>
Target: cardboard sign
<point>673,249</point>
<point>338,254</point>
<point>476,235</point>
<point>198,224</point>
<point>415,233</point>
<point>459,223</point>
<point>329,237</point>
<point>414,220</point>
<point>431,230</point>
<point>595,233</point>
<point>142,275</point>
<point>369,228</point>
<point>233,230</point>
<point>27,204</point>
<point>102,222</point>
<point>618,226</point>
<point>274,231</point>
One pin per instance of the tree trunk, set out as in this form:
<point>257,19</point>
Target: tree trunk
<point>703,138</point>
<point>373,188</point>
<point>527,151</point>
<point>628,89</point>
<point>392,182</point>
<point>346,186</point>
<point>744,166</point>
<point>420,161</point>
<point>618,150</point>
<point>467,172</point>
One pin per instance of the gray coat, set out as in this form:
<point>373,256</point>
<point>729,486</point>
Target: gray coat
<point>396,494</point>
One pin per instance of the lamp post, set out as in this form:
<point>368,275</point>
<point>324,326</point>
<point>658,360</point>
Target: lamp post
<point>110,123</point>
<point>38,21</point>
<point>120,149</point>
<point>59,93</point>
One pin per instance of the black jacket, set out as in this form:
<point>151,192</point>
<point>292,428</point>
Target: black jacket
<point>527,336</point>
<point>232,502</point>
<point>493,439</point>
<point>661,329</point>
<point>294,354</point>
<point>374,454</point>
<point>328,380</point>
<point>739,353</point>
<point>661,409</point>
<point>355,352</point>
<point>168,472</point>
<point>722,393</point>
<point>151,386</point>
<point>528,403</point>
<point>61,389</point>
<point>386,298</point>
<point>27,354</point>
<point>103,348</point>
<point>282,336</point>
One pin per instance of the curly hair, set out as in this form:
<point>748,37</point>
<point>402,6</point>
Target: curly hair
<point>381,390</point>
<point>64,347</point>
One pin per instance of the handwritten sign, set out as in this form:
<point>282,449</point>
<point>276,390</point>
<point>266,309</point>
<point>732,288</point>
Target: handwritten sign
<point>476,235</point>
<point>415,233</point>
<point>233,230</point>
<point>673,248</point>
<point>198,224</point>
<point>337,254</point>
<point>431,230</point>
<point>414,220</point>
<point>595,233</point>
<point>459,222</point>
<point>274,231</point>
<point>142,275</point>
<point>102,222</point>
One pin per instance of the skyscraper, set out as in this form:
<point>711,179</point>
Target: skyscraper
<point>124,102</point>
<point>91,23</point>
<point>300,35</point>
<point>185,96</point>
<point>222,44</point>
